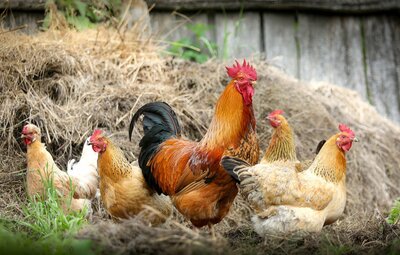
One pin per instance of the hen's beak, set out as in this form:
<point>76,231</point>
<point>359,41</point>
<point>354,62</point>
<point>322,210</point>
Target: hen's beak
<point>89,143</point>
<point>355,139</point>
<point>23,136</point>
<point>253,83</point>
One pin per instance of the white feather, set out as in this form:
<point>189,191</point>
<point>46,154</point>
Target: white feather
<point>86,169</point>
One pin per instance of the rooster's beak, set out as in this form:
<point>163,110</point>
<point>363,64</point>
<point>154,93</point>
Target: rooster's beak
<point>253,83</point>
<point>355,139</point>
<point>23,136</point>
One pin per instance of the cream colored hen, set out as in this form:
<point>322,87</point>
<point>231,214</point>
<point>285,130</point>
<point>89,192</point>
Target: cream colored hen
<point>41,167</point>
<point>284,200</point>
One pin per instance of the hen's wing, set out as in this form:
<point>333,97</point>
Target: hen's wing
<point>264,185</point>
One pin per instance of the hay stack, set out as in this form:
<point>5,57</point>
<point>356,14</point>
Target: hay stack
<point>70,83</point>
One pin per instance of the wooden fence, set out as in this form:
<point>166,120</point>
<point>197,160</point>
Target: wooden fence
<point>358,52</point>
<point>355,44</point>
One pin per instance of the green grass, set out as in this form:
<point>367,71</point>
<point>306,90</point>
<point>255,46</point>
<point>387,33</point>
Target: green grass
<point>44,228</point>
<point>394,215</point>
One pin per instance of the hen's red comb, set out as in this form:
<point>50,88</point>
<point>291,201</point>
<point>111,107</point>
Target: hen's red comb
<point>25,129</point>
<point>346,129</point>
<point>244,68</point>
<point>97,132</point>
<point>276,112</point>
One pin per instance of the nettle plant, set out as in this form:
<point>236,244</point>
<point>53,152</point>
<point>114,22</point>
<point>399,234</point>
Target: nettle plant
<point>81,14</point>
<point>198,48</point>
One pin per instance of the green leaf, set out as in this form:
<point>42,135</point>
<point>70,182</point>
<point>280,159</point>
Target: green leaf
<point>81,7</point>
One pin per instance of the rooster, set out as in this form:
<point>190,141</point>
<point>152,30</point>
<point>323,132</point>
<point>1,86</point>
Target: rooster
<point>190,172</point>
<point>41,167</point>
<point>124,191</point>
<point>285,200</point>
<point>85,171</point>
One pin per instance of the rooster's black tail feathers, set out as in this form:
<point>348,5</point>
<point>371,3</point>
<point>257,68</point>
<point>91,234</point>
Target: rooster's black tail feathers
<point>159,124</point>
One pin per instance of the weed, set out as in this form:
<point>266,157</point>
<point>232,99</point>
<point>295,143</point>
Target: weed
<point>394,215</point>
<point>81,14</point>
<point>199,49</point>
<point>45,227</point>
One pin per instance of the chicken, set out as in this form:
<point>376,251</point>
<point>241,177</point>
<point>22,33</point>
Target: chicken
<point>41,168</point>
<point>85,171</point>
<point>190,172</point>
<point>285,200</point>
<point>282,144</point>
<point>124,191</point>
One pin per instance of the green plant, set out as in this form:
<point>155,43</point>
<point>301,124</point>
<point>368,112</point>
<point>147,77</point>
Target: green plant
<point>198,49</point>
<point>45,228</point>
<point>22,243</point>
<point>394,215</point>
<point>82,14</point>
<point>46,217</point>
<point>330,248</point>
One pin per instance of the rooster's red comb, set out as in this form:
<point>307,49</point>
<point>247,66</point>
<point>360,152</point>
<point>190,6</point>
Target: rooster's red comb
<point>244,68</point>
<point>276,112</point>
<point>346,129</point>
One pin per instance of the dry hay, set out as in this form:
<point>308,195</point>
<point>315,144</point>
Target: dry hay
<point>70,83</point>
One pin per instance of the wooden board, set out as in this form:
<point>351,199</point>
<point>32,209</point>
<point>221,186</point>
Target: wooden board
<point>354,76</point>
<point>382,72</point>
<point>238,37</point>
<point>30,22</point>
<point>343,6</point>
<point>322,51</point>
<point>331,50</point>
<point>280,41</point>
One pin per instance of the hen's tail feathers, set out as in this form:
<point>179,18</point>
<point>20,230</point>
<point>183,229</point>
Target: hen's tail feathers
<point>159,124</point>
<point>319,146</point>
<point>234,166</point>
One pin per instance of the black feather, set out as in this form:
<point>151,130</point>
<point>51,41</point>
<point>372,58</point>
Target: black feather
<point>231,163</point>
<point>319,146</point>
<point>159,124</point>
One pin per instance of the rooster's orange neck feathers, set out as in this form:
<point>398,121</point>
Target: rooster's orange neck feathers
<point>281,146</point>
<point>330,163</point>
<point>231,121</point>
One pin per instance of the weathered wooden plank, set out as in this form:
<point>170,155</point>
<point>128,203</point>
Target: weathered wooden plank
<point>354,76</point>
<point>382,72</point>
<point>238,37</point>
<point>321,48</point>
<point>342,6</point>
<point>331,50</point>
<point>31,21</point>
<point>395,26</point>
<point>339,6</point>
<point>173,26</point>
<point>280,41</point>
<point>23,4</point>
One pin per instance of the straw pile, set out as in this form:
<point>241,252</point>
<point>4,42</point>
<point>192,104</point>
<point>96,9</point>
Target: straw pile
<point>70,83</point>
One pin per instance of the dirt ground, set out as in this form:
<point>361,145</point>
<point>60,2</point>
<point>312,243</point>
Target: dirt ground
<point>69,83</point>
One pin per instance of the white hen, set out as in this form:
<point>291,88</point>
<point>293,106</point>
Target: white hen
<point>86,169</point>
